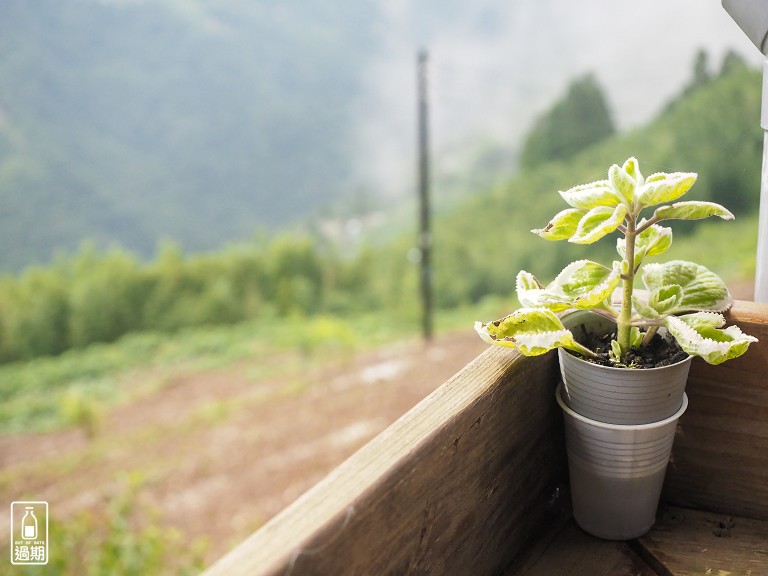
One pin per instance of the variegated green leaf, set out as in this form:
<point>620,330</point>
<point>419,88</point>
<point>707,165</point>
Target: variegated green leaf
<point>597,223</point>
<point>582,284</point>
<point>624,267</point>
<point>661,187</point>
<point>530,294</point>
<point>692,211</point>
<point>526,281</point>
<point>562,226</point>
<point>643,309</point>
<point>702,288</point>
<point>656,239</point>
<point>623,183</point>
<point>697,319</point>
<point>621,247</point>
<point>635,338</point>
<point>632,168</point>
<point>532,331</point>
<point>652,241</point>
<point>640,253</point>
<point>589,285</point>
<point>712,344</point>
<point>660,301</point>
<point>666,298</point>
<point>615,353</point>
<point>592,195</point>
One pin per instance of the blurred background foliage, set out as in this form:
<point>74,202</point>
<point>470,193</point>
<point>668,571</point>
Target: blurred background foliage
<point>578,120</point>
<point>243,174</point>
<point>72,330</point>
<point>135,121</point>
<point>97,295</point>
<point>113,543</point>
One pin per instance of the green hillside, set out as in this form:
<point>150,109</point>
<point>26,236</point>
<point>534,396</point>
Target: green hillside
<point>97,296</point>
<point>713,130</point>
<point>120,122</point>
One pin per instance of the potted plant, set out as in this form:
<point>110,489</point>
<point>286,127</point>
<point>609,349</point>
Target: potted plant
<point>624,353</point>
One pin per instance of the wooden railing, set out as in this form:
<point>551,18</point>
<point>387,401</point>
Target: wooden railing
<point>471,476</point>
<point>720,457</point>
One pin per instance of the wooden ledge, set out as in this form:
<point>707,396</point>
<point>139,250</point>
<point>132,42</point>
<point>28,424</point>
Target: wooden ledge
<point>471,476</point>
<point>683,542</point>
<point>720,456</point>
<point>458,485</point>
<point>687,542</point>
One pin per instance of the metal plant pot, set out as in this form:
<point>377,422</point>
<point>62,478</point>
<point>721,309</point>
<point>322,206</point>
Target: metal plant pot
<point>618,395</point>
<point>617,472</point>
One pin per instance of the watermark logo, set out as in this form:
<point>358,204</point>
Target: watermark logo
<point>29,532</point>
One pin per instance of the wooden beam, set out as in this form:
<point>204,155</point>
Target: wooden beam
<point>720,456</point>
<point>688,542</point>
<point>569,551</point>
<point>465,481</point>
<point>460,484</point>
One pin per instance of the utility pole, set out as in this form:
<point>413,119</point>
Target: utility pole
<point>425,237</point>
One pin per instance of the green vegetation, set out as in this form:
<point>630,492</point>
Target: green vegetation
<point>684,297</point>
<point>713,129</point>
<point>76,387</point>
<point>73,333</point>
<point>135,121</point>
<point>295,290</point>
<point>99,297</point>
<point>580,119</point>
<point>95,296</point>
<point>116,543</point>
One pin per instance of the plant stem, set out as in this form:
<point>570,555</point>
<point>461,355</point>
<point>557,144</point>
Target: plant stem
<point>583,350</point>
<point>624,329</point>
<point>650,333</point>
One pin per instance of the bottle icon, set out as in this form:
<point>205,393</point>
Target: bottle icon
<point>29,524</point>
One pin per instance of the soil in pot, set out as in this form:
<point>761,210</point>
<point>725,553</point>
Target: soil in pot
<point>661,351</point>
<point>615,394</point>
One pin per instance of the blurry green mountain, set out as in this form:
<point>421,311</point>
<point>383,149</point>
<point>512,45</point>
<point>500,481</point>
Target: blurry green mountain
<point>576,121</point>
<point>479,244</point>
<point>712,128</point>
<point>120,121</point>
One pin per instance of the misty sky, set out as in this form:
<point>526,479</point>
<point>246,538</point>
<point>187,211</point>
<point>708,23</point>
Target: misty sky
<point>495,66</point>
<point>290,108</point>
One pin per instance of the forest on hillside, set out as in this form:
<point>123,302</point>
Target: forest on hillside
<point>98,296</point>
<point>204,122</point>
<point>132,122</point>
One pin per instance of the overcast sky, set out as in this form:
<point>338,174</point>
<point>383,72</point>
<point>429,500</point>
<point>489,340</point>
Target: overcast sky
<point>495,66</point>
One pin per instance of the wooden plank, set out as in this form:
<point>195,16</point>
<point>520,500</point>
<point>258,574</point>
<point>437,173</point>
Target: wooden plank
<point>720,455</point>
<point>688,542</point>
<point>459,485</point>
<point>573,552</point>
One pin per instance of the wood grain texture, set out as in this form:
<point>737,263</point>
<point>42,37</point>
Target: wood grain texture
<point>573,552</point>
<point>720,456</point>
<point>459,485</point>
<point>688,542</point>
<point>464,481</point>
